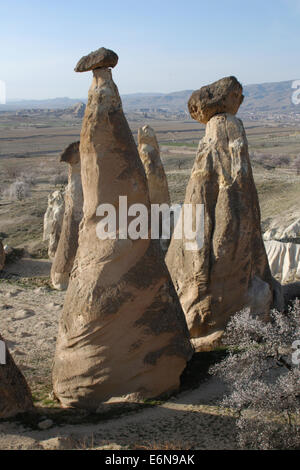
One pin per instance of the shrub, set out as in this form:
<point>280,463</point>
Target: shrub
<point>262,381</point>
<point>270,161</point>
<point>60,180</point>
<point>18,191</point>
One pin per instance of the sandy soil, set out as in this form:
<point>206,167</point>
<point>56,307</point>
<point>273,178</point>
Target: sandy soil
<point>191,421</point>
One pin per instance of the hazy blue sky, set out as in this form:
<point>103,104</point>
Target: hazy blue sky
<point>163,45</point>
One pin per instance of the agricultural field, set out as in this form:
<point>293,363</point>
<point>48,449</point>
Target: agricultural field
<point>30,152</point>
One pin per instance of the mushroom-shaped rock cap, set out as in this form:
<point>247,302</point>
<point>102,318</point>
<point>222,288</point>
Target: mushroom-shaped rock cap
<point>97,59</point>
<point>71,153</point>
<point>223,96</point>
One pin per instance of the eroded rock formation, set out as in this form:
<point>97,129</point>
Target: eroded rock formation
<point>68,241</point>
<point>223,96</point>
<point>53,220</point>
<point>149,152</point>
<point>101,58</point>
<point>15,395</point>
<point>231,270</point>
<point>283,250</point>
<point>150,155</point>
<point>285,234</point>
<point>122,335</point>
<point>78,110</point>
<point>284,260</point>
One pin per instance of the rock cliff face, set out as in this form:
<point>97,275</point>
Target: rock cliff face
<point>290,233</point>
<point>15,395</point>
<point>53,220</point>
<point>68,241</point>
<point>123,334</point>
<point>283,250</point>
<point>284,260</point>
<point>231,270</point>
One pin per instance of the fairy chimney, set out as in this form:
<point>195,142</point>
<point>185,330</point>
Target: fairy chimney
<point>68,241</point>
<point>230,271</point>
<point>122,334</point>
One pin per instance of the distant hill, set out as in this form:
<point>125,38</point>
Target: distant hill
<point>55,103</point>
<point>270,97</point>
<point>266,97</point>
<point>262,98</point>
<point>176,101</point>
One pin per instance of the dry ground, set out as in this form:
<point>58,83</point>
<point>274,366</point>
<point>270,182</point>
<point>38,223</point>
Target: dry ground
<point>29,318</point>
<point>32,153</point>
<point>29,309</point>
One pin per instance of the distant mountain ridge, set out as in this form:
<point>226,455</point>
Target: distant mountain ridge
<point>270,97</point>
<point>261,98</point>
<point>54,103</point>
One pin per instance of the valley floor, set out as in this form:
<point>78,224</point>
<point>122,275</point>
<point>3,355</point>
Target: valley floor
<point>29,316</point>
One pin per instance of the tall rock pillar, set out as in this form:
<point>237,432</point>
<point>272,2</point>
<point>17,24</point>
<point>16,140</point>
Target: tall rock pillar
<point>231,270</point>
<point>122,335</point>
<point>68,241</point>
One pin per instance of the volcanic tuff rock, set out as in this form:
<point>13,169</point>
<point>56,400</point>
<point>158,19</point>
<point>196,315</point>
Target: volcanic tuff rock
<point>53,220</point>
<point>68,241</point>
<point>78,110</point>
<point>15,395</point>
<point>223,96</point>
<point>231,271</point>
<point>150,155</point>
<point>283,249</point>
<point>284,234</point>
<point>97,59</point>
<point>156,178</point>
<point>122,335</point>
<point>284,260</point>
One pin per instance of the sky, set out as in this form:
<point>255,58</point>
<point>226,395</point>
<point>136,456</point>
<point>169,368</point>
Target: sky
<point>163,45</point>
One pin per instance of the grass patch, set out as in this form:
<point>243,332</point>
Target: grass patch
<point>26,282</point>
<point>193,144</point>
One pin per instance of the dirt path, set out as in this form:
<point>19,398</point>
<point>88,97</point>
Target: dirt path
<point>29,267</point>
<point>192,420</point>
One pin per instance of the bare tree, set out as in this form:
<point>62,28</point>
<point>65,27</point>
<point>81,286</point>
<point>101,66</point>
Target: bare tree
<point>263,378</point>
<point>270,161</point>
<point>18,191</point>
